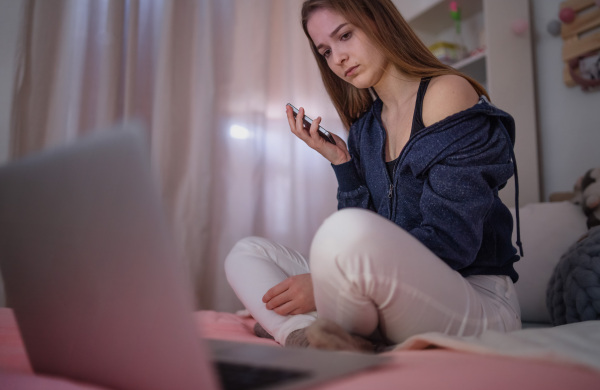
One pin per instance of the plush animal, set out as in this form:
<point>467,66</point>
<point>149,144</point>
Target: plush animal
<point>587,194</point>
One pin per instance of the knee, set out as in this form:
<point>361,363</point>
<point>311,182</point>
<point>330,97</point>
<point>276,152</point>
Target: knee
<point>241,251</point>
<point>353,235</point>
<point>344,233</point>
<point>345,230</point>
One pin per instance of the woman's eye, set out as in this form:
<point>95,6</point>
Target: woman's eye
<point>346,36</point>
<point>326,53</point>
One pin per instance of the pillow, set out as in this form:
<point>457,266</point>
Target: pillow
<point>573,293</point>
<point>547,231</point>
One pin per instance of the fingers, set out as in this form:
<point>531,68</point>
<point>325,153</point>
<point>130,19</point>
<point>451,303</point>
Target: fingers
<point>299,121</point>
<point>283,304</point>
<point>339,141</point>
<point>336,154</point>
<point>300,129</point>
<point>291,307</point>
<point>314,134</point>
<point>288,308</point>
<point>279,300</point>
<point>276,290</point>
<point>295,123</point>
<point>290,116</point>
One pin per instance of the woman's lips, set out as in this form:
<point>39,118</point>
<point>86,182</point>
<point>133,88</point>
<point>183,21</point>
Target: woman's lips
<point>350,71</point>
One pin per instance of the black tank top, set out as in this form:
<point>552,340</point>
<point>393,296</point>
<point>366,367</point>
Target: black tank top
<point>417,122</point>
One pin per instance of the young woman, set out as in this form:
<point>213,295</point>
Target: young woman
<point>422,241</point>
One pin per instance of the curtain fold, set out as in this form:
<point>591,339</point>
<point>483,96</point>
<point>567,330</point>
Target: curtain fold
<point>210,79</point>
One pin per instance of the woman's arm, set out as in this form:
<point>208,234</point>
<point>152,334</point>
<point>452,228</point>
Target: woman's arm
<point>352,191</point>
<point>352,188</point>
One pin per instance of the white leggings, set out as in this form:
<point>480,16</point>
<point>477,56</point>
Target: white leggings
<point>370,274</point>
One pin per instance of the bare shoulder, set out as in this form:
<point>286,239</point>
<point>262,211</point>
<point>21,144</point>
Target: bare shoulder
<point>447,95</point>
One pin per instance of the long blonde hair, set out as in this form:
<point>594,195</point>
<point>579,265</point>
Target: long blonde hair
<point>390,33</point>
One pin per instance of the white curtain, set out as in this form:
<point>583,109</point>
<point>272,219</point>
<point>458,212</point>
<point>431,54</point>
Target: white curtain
<point>210,78</point>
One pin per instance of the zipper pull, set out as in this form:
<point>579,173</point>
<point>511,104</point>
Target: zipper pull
<point>391,191</point>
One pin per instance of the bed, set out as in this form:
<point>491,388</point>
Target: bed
<point>540,356</point>
<point>424,363</point>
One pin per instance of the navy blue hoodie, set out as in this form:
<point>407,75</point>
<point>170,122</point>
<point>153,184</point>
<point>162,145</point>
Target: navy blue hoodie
<point>445,185</point>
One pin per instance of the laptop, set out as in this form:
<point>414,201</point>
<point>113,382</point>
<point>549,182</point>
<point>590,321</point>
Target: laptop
<point>98,290</point>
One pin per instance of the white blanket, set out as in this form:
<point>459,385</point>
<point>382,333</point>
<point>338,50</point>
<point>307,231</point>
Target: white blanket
<point>577,343</point>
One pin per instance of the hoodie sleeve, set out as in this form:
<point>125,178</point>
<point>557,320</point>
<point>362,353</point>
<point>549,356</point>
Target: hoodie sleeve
<point>352,190</point>
<point>458,193</point>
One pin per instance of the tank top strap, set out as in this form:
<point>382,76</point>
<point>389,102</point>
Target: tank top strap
<point>417,123</point>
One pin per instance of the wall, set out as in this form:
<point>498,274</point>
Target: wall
<point>568,118</point>
<point>9,17</point>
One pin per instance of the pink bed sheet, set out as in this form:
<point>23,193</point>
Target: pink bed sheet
<point>426,369</point>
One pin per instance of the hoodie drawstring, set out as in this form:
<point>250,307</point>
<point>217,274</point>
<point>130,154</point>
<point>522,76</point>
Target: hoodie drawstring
<point>519,243</point>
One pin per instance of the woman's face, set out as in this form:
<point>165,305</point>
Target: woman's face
<point>346,48</point>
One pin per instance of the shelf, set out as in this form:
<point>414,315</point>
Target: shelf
<point>474,66</point>
<point>436,18</point>
<point>470,61</point>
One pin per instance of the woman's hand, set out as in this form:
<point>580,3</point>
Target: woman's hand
<point>292,296</point>
<point>336,154</point>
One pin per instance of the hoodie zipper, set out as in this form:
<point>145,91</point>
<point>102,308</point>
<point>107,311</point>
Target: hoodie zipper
<point>401,157</point>
<point>393,178</point>
<point>391,188</point>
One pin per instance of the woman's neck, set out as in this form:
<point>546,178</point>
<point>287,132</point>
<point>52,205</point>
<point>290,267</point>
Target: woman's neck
<point>395,88</point>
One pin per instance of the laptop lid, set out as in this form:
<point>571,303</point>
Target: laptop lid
<point>89,267</point>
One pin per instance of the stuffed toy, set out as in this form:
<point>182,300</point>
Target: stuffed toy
<point>587,194</point>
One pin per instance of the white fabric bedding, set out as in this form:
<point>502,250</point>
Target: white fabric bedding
<point>577,343</point>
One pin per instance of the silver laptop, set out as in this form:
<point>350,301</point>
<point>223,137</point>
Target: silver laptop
<point>97,288</point>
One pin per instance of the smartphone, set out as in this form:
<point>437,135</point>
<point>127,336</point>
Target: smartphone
<point>307,122</point>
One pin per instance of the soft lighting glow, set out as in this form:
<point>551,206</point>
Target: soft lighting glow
<point>239,132</point>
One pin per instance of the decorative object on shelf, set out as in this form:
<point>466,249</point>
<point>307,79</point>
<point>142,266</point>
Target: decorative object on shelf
<point>585,70</point>
<point>520,27</point>
<point>459,50</point>
<point>447,52</point>
<point>553,27</point>
<point>581,47</point>
<point>567,15</point>
<point>455,15</point>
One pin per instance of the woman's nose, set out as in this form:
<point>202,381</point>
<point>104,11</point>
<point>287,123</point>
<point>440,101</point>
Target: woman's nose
<point>339,57</point>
